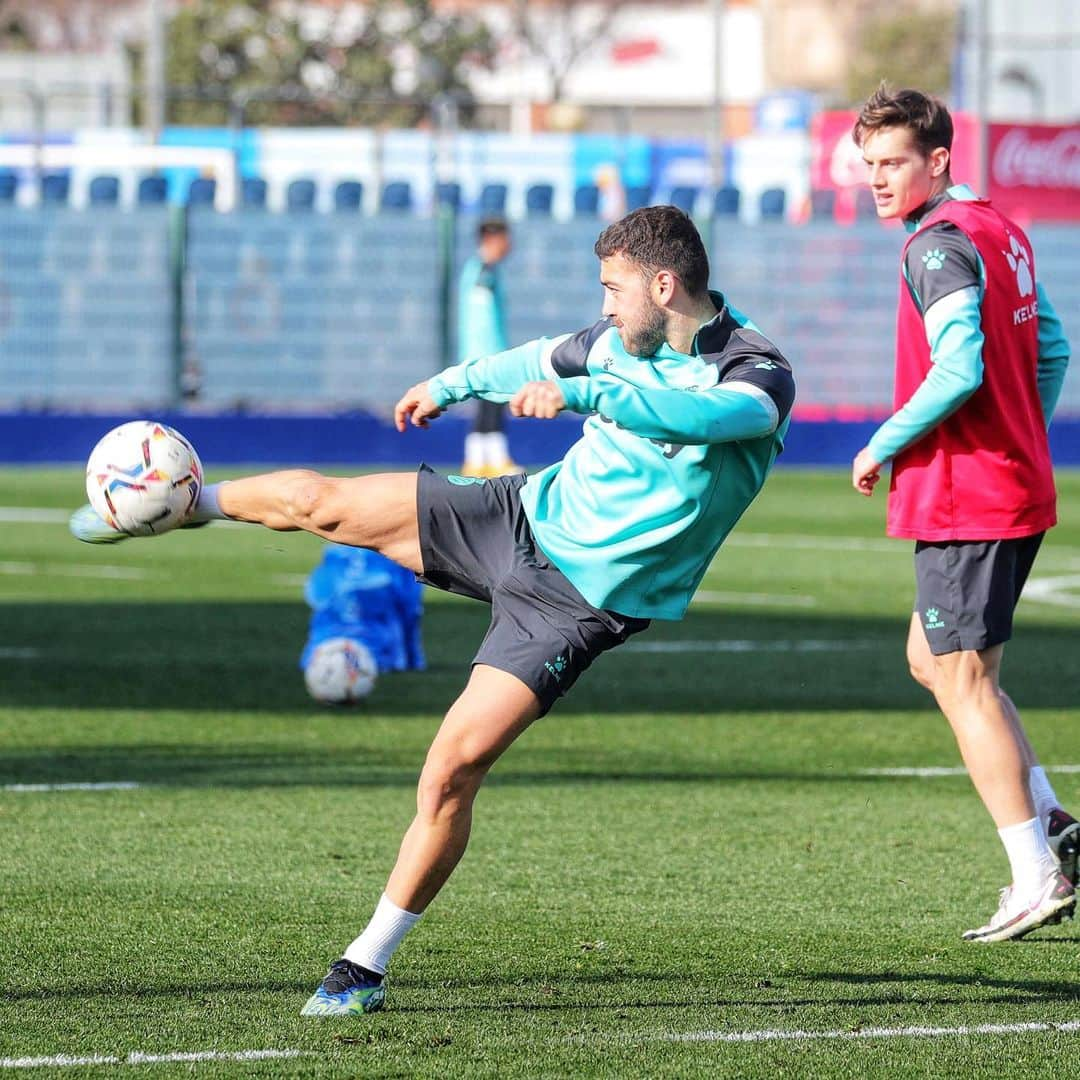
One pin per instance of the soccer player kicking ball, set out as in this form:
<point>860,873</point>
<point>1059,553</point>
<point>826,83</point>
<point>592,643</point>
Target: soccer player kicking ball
<point>687,407</point>
<point>980,358</point>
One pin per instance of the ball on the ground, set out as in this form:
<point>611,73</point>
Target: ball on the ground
<point>143,478</point>
<point>340,671</point>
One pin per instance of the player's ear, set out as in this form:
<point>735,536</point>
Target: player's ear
<point>939,162</point>
<point>663,286</point>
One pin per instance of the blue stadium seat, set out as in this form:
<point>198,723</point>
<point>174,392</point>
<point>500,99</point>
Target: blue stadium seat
<point>865,207</point>
<point>348,195</point>
<point>492,199</point>
<point>638,196</point>
<point>772,203</point>
<point>9,184</point>
<point>822,203</point>
<point>726,201</point>
<point>397,196</point>
<point>202,191</point>
<point>55,188</point>
<point>684,198</point>
<point>448,193</point>
<point>586,200</point>
<point>152,191</point>
<point>538,198</point>
<point>300,195</point>
<point>104,191</point>
<point>253,192</point>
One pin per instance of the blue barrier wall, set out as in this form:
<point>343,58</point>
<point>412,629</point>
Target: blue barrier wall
<point>364,440</point>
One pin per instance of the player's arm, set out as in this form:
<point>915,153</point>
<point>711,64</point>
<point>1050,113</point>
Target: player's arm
<point>944,275</point>
<point>1053,354</point>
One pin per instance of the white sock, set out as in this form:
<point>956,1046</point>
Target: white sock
<point>1042,794</point>
<point>496,450</point>
<point>474,450</point>
<point>208,508</point>
<point>1029,856</point>
<point>374,947</point>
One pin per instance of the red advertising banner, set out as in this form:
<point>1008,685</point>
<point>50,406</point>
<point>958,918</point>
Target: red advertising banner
<point>836,163</point>
<point>1034,171</point>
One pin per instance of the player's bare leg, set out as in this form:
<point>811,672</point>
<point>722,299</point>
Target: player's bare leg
<point>376,512</point>
<point>492,711</point>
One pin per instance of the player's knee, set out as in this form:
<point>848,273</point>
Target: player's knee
<point>449,783</point>
<point>311,499</point>
<point>922,670</point>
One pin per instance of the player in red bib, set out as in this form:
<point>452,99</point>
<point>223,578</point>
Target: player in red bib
<point>980,359</point>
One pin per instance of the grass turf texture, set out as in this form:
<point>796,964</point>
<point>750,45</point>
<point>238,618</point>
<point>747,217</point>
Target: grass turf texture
<point>687,843</point>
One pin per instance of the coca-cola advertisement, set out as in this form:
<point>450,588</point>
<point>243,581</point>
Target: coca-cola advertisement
<point>1034,171</point>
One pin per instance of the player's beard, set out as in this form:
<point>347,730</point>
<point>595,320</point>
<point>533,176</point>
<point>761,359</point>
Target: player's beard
<point>648,335</point>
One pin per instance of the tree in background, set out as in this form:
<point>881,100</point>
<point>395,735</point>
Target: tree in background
<point>378,64</point>
<point>906,48</point>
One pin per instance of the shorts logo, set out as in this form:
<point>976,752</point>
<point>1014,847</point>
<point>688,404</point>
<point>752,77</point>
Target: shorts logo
<point>556,666</point>
<point>464,481</point>
<point>933,619</point>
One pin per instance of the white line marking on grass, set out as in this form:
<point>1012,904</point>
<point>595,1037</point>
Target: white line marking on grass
<point>734,645</point>
<point>755,598</point>
<point>925,772</point>
<point>33,515</point>
<point>91,570</point>
<point>789,541</point>
<point>18,652</point>
<point>289,581</point>
<point>1054,590</point>
<point>59,1061</point>
<point>108,785</point>
<point>1067,1026</point>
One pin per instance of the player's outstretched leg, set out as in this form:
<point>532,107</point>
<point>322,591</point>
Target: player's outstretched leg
<point>377,512</point>
<point>492,711</point>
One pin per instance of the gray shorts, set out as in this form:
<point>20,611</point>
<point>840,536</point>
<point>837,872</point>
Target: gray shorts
<point>967,590</point>
<point>476,541</point>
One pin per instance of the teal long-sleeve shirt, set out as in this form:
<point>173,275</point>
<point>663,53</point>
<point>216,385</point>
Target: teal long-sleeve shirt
<point>674,448</point>
<point>946,275</point>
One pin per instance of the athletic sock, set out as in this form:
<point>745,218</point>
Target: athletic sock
<point>1042,794</point>
<point>1030,856</point>
<point>208,508</point>
<point>474,450</point>
<point>374,947</point>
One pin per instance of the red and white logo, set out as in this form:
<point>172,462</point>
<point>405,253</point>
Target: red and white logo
<point>1023,159</point>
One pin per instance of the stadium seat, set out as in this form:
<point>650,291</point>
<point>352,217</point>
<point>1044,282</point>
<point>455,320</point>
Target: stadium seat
<point>55,188</point>
<point>538,199</point>
<point>448,193</point>
<point>300,195</point>
<point>684,198</point>
<point>9,184</point>
<point>586,200</point>
<point>492,199</point>
<point>348,195</point>
<point>772,203</point>
<point>638,196</point>
<point>253,192</point>
<point>822,203</point>
<point>865,207</point>
<point>152,190</point>
<point>104,191</point>
<point>726,201</point>
<point>202,191</point>
<point>397,196</point>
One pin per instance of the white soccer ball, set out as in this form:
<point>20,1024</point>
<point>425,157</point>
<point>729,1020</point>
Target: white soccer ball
<point>143,478</point>
<point>340,671</point>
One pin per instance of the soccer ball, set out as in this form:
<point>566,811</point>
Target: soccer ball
<point>143,478</point>
<point>340,671</point>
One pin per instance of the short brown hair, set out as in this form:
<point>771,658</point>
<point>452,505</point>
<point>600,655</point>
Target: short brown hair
<point>924,116</point>
<point>659,238</point>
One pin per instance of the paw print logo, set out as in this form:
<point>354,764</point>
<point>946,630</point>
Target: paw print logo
<point>934,260</point>
<point>932,614</point>
<point>1020,265</point>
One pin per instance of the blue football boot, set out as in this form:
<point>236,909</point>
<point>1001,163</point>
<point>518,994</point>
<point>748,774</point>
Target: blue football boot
<point>347,990</point>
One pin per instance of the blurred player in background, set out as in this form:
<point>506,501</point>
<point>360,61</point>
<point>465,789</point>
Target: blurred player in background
<point>980,360</point>
<point>482,332</point>
<point>687,405</point>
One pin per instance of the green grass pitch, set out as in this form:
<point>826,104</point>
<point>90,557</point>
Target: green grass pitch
<point>690,848</point>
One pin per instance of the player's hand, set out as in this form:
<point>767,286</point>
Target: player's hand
<point>416,406</point>
<point>543,400</point>
<point>865,472</point>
